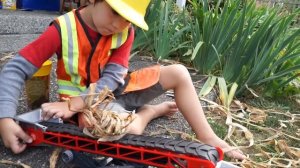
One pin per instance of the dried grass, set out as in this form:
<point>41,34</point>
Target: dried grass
<point>268,148</point>
<point>8,162</point>
<point>54,157</point>
<point>104,124</point>
<point>7,57</point>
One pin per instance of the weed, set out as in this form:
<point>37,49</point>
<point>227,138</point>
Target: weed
<point>219,128</point>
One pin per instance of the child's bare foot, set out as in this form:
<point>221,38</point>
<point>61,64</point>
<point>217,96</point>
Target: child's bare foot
<point>149,112</point>
<point>234,154</point>
<point>227,149</point>
<point>162,109</point>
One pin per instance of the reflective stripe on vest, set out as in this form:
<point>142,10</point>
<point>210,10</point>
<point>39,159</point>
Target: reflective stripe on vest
<point>68,88</point>
<point>119,39</point>
<point>70,53</point>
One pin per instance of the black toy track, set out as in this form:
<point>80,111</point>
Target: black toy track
<point>147,150</point>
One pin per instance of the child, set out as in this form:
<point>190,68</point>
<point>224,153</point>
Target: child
<point>93,46</point>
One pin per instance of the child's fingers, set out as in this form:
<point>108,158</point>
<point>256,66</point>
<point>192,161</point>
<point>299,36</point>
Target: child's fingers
<point>17,147</point>
<point>45,108</point>
<point>47,114</point>
<point>24,137</point>
<point>236,154</point>
<point>58,115</point>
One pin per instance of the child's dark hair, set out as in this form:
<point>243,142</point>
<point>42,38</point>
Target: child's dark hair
<point>98,1</point>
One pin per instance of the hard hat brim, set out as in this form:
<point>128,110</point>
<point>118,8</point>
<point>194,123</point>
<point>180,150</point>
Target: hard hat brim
<point>128,13</point>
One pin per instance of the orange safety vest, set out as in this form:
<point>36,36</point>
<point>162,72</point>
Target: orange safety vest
<point>81,62</point>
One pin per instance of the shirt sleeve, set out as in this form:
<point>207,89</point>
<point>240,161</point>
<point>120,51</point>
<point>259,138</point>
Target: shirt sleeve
<point>12,79</point>
<point>23,66</point>
<point>112,77</point>
<point>43,47</point>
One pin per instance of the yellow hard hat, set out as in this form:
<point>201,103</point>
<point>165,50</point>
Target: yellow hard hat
<point>132,10</point>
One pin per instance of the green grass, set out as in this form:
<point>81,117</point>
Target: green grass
<point>281,103</point>
<point>272,122</point>
<point>219,128</point>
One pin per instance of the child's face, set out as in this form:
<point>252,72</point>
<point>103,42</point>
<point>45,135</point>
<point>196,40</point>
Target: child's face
<point>106,21</point>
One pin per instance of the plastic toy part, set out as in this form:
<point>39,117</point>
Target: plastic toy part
<point>153,156</point>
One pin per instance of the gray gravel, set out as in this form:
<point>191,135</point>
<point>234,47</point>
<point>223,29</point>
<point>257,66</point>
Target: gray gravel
<point>15,41</point>
<point>25,22</point>
<point>18,28</point>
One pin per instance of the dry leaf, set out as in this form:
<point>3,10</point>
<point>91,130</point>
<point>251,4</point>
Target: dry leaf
<point>236,106</point>
<point>252,91</point>
<point>292,153</point>
<point>251,164</point>
<point>280,162</point>
<point>297,101</point>
<point>232,126</point>
<point>102,123</point>
<point>258,117</point>
<point>54,157</point>
<point>8,162</point>
<point>270,151</point>
<point>7,57</point>
<point>295,152</point>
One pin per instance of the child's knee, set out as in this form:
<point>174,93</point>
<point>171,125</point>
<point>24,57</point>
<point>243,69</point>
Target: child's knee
<point>181,68</point>
<point>173,75</point>
<point>181,72</point>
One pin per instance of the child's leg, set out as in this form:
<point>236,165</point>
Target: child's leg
<point>178,78</point>
<point>149,112</point>
<point>174,77</point>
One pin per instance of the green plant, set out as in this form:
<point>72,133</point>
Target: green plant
<point>144,39</point>
<point>166,30</point>
<point>244,45</point>
<point>218,128</point>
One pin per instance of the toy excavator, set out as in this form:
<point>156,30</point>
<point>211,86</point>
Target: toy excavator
<point>146,150</point>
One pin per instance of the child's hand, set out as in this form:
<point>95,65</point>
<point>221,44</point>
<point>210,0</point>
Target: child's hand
<point>56,110</point>
<point>61,109</point>
<point>13,136</point>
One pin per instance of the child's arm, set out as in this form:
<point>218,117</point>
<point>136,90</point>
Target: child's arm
<point>12,78</point>
<point>112,77</point>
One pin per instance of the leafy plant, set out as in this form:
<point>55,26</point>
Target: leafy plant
<point>244,45</point>
<point>144,39</point>
<point>166,29</point>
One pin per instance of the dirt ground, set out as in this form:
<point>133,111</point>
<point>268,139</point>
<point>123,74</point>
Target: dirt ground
<point>38,157</point>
